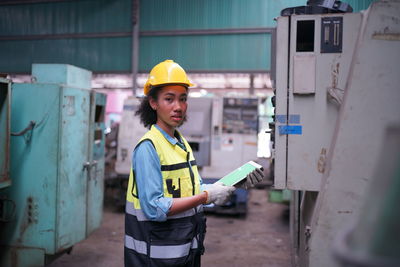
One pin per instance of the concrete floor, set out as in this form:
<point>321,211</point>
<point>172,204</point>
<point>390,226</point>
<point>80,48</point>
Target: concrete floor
<point>260,239</point>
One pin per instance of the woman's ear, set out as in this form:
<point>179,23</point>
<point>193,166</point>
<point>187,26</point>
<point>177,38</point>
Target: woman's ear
<point>153,103</point>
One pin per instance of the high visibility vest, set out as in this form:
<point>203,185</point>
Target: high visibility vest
<point>174,242</point>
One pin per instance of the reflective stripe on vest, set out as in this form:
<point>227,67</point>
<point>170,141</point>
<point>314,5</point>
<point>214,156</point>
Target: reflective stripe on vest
<point>160,252</point>
<point>136,245</point>
<point>140,216</point>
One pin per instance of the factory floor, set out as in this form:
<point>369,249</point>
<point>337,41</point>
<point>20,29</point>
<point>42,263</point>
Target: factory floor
<point>259,239</point>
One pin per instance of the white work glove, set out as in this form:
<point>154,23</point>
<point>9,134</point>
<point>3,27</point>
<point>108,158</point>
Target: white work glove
<point>218,193</point>
<point>251,179</point>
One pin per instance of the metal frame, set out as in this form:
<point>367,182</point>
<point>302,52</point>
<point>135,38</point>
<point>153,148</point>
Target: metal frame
<point>141,33</point>
<point>20,2</point>
<point>208,31</point>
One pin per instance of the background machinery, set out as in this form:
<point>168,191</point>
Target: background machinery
<point>223,132</point>
<point>51,194</point>
<point>337,89</point>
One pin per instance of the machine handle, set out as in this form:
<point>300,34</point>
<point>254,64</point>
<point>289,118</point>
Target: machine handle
<point>24,131</point>
<point>88,166</point>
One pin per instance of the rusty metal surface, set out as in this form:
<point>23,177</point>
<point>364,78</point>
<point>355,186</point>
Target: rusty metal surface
<point>386,36</point>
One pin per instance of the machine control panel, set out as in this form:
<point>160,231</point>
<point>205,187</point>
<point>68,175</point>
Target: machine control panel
<point>331,34</point>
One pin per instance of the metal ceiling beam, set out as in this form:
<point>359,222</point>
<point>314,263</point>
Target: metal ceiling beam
<point>24,2</point>
<point>142,33</point>
<point>208,31</point>
<point>65,36</point>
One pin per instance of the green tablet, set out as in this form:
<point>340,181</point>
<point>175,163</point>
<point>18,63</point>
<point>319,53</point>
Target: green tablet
<point>240,173</point>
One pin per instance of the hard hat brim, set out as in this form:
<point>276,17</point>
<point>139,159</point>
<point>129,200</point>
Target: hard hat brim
<point>148,87</point>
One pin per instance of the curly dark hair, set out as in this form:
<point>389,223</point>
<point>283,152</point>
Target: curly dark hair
<point>148,116</point>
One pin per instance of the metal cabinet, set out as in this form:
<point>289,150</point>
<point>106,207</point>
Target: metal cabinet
<point>56,165</point>
<point>307,98</point>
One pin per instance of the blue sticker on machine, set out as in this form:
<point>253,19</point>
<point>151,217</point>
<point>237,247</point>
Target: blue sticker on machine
<point>293,118</point>
<point>290,129</point>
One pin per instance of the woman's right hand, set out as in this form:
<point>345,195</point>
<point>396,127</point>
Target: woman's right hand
<point>218,193</point>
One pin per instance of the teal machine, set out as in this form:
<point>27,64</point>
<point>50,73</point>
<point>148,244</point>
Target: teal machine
<point>53,195</point>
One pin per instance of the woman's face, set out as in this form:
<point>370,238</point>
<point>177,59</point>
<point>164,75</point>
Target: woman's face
<point>170,106</point>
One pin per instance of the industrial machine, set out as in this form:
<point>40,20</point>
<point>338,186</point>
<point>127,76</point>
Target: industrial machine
<point>229,139</point>
<point>197,129</point>
<point>234,132</point>
<point>217,128</point>
<point>56,160</point>
<point>336,87</point>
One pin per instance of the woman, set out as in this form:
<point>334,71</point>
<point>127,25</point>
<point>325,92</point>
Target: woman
<point>165,224</point>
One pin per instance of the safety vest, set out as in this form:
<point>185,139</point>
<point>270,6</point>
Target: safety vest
<point>179,239</point>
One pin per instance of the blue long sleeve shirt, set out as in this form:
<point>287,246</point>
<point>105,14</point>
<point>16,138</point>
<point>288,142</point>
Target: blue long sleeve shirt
<point>147,168</point>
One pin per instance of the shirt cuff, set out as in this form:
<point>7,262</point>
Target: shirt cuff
<point>163,205</point>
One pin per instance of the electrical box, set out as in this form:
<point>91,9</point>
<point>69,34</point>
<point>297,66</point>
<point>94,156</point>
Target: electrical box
<point>312,66</point>
<point>57,164</point>
<point>5,113</point>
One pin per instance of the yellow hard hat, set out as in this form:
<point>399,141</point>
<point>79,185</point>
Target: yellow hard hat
<point>166,72</point>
